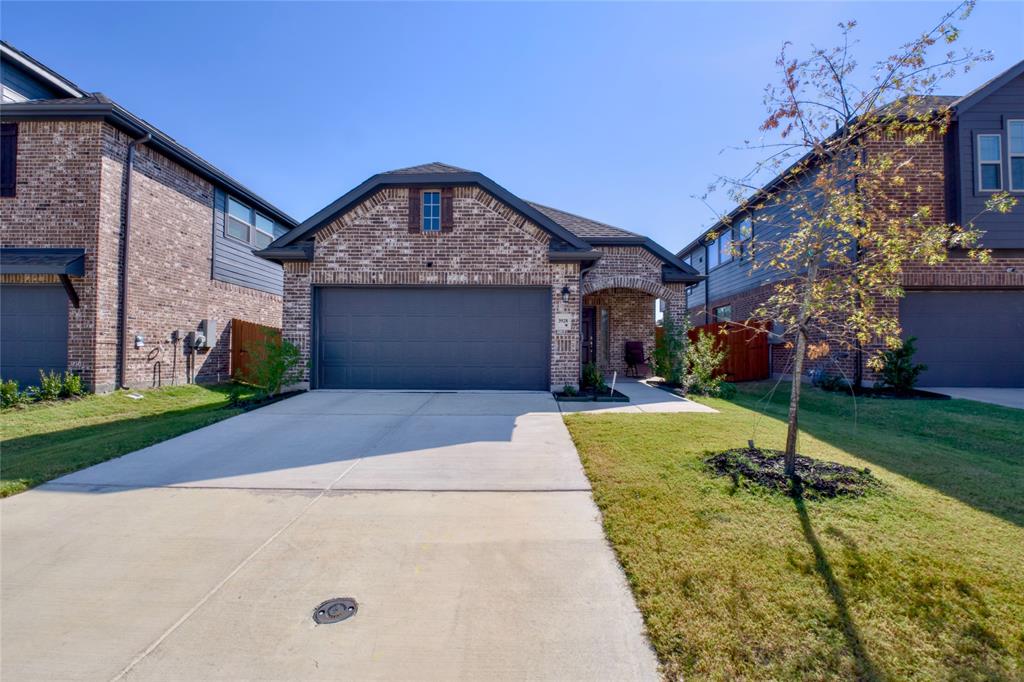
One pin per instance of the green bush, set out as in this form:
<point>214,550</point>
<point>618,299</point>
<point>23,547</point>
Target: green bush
<point>272,364</point>
<point>670,351</point>
<point>10,395</point>
<point>50,385</point>
<point>703,361</point>
<point>592,377</point>
<point>899,369</point>
<point>569,390</point>
<point>72,386</point>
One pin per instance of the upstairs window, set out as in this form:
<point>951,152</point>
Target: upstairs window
<point>431,211</point>
<point>250,226</point>
<point>724,246</point>
<point>8,159</point>
<point>990,163</point>
<point>1016,149</point>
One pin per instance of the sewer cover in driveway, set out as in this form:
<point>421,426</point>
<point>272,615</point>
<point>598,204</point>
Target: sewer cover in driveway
<point>335,610</point>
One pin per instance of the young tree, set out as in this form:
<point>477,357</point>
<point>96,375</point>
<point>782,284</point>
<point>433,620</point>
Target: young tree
<point>851,211</point>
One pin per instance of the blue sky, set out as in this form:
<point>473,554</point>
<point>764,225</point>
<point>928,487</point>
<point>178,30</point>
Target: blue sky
<point>619,112</point>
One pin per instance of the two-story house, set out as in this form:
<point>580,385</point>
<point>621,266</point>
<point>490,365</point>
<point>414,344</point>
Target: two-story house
<point>124,256</point>
<point>967,317</point>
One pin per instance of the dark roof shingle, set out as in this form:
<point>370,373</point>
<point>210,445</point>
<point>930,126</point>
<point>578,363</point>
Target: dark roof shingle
<point>435,167</point>
<point>580,226</point>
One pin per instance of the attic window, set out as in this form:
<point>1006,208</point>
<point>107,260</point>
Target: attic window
<point>431,211</point>
<point>990,162</point>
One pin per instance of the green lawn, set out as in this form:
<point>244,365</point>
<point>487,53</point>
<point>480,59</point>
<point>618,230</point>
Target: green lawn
<point>45,440</point>
<point>924,580</point>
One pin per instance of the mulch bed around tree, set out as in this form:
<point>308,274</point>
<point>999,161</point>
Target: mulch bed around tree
<point>815,478</point>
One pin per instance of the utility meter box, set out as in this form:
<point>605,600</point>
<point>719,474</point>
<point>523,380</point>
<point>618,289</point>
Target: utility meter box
<point>208,329</point>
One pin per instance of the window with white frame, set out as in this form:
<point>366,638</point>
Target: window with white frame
<point>431,211</point>
<point>712,254</point>
<point>990,162</point>
<point>250,226</point>
<point>1015,130</point>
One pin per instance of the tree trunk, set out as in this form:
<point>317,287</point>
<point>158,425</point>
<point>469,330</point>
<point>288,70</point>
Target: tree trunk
<point>798,372</point>
<point>794,404</point>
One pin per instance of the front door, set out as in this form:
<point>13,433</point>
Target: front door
<point>588,351</point>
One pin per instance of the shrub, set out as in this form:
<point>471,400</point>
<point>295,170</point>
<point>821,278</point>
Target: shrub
<point>569,390</point>
<point>831,382</point>
<point>72,386</point>
<point>10,395</point>
<point>592,376</point>
<point>273,364</point>
<point>50,385</point>
<point>670,351</point>
<point>899,369</point>
<point>703,360</point>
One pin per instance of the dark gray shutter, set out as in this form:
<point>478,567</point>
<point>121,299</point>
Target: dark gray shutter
<point>8,159</point>
<point>447,210</point>
<point>414,211</point>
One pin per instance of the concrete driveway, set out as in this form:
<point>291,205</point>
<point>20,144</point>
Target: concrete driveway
<point>462,523</point>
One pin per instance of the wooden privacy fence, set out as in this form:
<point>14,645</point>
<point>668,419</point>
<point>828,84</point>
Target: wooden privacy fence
<point>243,337</point>
<point>746,348</point>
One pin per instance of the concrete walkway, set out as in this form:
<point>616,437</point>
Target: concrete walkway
<point>642,399</point>
<point>461,523</point>
<point>1007,397</point>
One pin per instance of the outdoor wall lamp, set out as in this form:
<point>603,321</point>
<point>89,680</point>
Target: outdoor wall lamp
<point>565,294</point>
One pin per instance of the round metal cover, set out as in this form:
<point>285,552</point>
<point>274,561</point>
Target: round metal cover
<point>335,610</point>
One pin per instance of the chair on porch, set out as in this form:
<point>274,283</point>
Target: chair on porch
<point>636,360</point>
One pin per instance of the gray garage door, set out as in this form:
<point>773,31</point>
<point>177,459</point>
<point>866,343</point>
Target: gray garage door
<point>433,338</point>
<point>33,331</point>
<point>967,338</point>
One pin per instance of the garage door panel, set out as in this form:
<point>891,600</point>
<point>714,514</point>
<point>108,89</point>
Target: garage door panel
<point>433,338</point>
<point>967,338</point>
<point>33,330</point>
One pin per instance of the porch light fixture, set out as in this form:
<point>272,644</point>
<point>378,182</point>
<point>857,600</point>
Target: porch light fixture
<point>565,294</point>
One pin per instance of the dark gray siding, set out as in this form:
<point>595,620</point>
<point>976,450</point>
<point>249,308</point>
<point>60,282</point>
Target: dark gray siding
<point>770,223</point>
<point>234,262</point>
<point>19,85</point>
<point>1006,230</point>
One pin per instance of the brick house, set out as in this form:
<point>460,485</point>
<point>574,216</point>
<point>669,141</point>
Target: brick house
<point>968,317</point>
<point>437,277</point>
<point>123,255</point>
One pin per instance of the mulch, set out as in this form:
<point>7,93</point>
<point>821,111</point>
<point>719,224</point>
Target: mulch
<point>814,477</point>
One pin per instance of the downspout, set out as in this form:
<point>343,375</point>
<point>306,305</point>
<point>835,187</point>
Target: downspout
<point>123,321</point>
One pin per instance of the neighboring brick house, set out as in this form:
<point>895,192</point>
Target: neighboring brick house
<point>66,231</point>
<point>968,317</point>
<point>435,277</point>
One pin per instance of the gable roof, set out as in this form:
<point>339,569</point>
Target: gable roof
<point>927,104</point>
<point>981,92</point>
<point>433,167</point>
<point>40,70</point>
<point>573,236</point>
<point>97,106</point>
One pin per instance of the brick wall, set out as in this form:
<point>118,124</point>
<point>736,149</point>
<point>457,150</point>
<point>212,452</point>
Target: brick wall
<point>491,245</point>
<point>70,189</point>
<point>630,318</point>
<point>57,205</point>
<point>170,285</point>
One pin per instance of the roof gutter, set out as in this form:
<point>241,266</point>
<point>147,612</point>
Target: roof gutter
<point>125,253</point>
<point>129,123</point>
